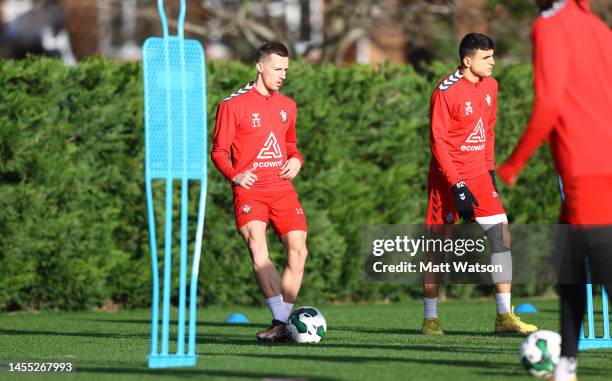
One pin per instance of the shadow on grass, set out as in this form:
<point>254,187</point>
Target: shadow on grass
<point>105,335</point>
<point>414,331</point>
<point>396,331</point>
<point>174,373</point>
<point>175,322</point>
<point>211,340</point>
<point>365,359</point>
<point>493,368</point>
<point>249,341</point>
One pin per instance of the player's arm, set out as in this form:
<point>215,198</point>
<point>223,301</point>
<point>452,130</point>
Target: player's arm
<point>550,70</point>
<point>440,121</point>
<point>440,116</point>
<point>295,160</point>
<point>490,143</point>
<point>225,130</point>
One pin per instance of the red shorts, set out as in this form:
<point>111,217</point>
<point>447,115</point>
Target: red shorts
<point>588,200</point>
<point>282,209</point>
<point>441,207</point>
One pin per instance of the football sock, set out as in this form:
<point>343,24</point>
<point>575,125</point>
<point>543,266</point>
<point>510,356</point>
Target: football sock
<point>288,307</point>
<point>277,308</point>
<point>502,302</point>
<point>565,369</point>
<point>431,307</point>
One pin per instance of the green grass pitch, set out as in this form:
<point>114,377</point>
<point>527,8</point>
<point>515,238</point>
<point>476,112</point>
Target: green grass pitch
<point>364,342</point>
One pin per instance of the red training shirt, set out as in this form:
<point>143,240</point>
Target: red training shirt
<point>572,65</point>
<point>257,132</point>
<point>462,138</point>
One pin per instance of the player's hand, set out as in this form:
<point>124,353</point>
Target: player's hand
<point>290,169</point>
<point>464,200</point>
<point>507,174</point>
<point>245,179</point>
<point>492,174</point>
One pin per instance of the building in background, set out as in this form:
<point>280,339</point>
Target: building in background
<point>323,31</point>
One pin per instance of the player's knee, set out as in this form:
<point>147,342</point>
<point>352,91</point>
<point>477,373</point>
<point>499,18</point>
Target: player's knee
<point>507,238</point>
<point>257,247</point>
<point>260,261</point>
<point>499,238</point>
<point>297,258</point>
<point>259,252</point>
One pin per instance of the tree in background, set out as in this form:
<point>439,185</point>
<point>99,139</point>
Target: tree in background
<point>323,31</point>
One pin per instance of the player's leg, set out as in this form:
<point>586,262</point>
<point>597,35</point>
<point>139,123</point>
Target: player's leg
<point>588,208</point>
<point>498,235</point>
<point>491,216</point>
<point>573,304</point>
<point>596,243</point>
<point>289,221</point>
<point>572,251</point>
<point>431,322</point>
<point>441,214</point>
<point>295,247</point>
<point>268,279</point>
<point>252,214</point>
<point>600,254</point>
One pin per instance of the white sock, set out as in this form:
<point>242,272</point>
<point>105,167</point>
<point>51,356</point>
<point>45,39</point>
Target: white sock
<point>565,369</point>
<point>289,307</point>
<point>277,307</point>
<point>502,302</point>
<point>431,307</point>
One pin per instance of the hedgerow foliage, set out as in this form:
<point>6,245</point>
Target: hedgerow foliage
<point>73,225</point>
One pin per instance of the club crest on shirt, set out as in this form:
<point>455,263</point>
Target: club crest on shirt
<point>468,108</point>
<point>488,99</point>
<point>283,115</point>
<point>256,119</point>
<point>246,209</point>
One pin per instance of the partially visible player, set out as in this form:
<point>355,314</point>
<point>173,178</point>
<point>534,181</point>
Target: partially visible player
<point>255,148</point>
<point>573,111</point>
<point>461,173</point>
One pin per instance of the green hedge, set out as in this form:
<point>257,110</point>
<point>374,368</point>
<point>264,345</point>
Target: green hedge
<point>73,228</point>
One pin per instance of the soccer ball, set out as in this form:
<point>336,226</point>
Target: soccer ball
<point>540,353</point>
<point>307,325</point>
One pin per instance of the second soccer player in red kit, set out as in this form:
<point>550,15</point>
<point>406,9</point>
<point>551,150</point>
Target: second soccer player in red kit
<point>461,172</point>
<point>255,147</point>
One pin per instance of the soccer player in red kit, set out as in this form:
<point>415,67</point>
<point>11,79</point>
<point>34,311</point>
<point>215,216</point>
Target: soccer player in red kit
<point>461,172</point>
<point>572,63</point>
<point>255,148</point>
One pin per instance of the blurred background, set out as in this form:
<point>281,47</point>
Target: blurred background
<point>73,220</point>
<point>322,31</point>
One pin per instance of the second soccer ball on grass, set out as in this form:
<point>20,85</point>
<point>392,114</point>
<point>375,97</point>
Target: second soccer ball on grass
<point>540,353</point>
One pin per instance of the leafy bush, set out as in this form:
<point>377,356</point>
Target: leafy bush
<point>73,225</point>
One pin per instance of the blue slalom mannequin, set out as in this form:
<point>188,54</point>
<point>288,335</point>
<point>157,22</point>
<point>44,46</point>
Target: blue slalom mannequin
<point>175,150</point>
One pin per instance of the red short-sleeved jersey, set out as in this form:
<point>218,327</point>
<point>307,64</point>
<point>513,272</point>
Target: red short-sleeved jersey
<point>462,138</point>
<point>572,64</point>
<point>256,132</point>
